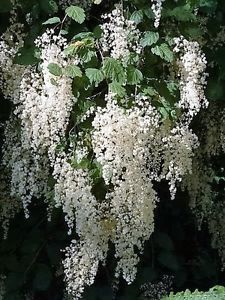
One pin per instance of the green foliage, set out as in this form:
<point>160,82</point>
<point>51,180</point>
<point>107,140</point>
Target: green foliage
<point>114,70</point>
<point>94,75</point>
<point>134,76</point>
<point>73,71</point>
<point>150,38</point>
<point>53,20</point>
<point>217,293</point>
<point>163,51</point>
<point>55,69</point>
<point>76,13</point>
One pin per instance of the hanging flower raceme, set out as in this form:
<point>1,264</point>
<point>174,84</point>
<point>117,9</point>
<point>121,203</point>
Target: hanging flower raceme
<point>120,36</point>
<point>120,142</point>
<point>192,65</point>
<point>157,9</point>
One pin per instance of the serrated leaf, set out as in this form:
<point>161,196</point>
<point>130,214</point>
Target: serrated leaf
<point>149,38</point>
<point>137,16</point>
<point>182,13</point>
<point>117,88</point>
<point>134,76</point>
<point>53,20</point>
<point>82,35</point>
<point>150,91</point>
<point>76,13</point>
<point>163,51</point>
<point>63,32</point>
<point>73,71</point>
<point>94,75</point>
<point>70,50</point>
<point>114,70</point>
<point>55,69</point>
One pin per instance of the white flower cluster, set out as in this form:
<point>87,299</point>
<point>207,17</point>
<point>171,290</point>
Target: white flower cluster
<point>157,9</point>
<point>43,110</point>
<point>73,193</point>
<point>10,80</point>
<point>120,36</point>
<point>158,290</point>
<point>11,74</point>
<point>81,263</point>
<point>47,99</point>
<point>192,65</point>
<point>120,142</point>
<point>177,157</point>
<point>28,174</point>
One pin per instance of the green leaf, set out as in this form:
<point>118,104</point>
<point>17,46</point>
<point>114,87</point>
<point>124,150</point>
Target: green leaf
<point>63,32</point>
<point>163,51</point>
<point>137,16</point>
<point>71,50</point>
<point>55,69</point>
<point>76,13</point>
<point>82,35</point>
<point>182,13</point>
<point>43,278</point>
<point>134,76</point>
<point>150,91</point>
<point>94,75</point>
<point>114,70</point>
<point>53,20</point>
<point>117,88</point>
<point>73,71</point>
<point>150,38</point>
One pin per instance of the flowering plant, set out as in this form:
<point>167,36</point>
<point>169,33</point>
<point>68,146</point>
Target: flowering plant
<point>103,112</point>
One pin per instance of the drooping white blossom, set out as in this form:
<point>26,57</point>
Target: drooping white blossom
<point>157,9</point>
<point>192,65</point>
<point>120,36</point>
<point>120,142</point>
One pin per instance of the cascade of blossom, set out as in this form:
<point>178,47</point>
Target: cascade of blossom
<point>120,142</point>
<point>120,36</point>
<point>73,193</point>
<point>192,65</point>
<point>157,9</point>
<point>10,80</point>
<point>43,110</point>
<point>133,146</point>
